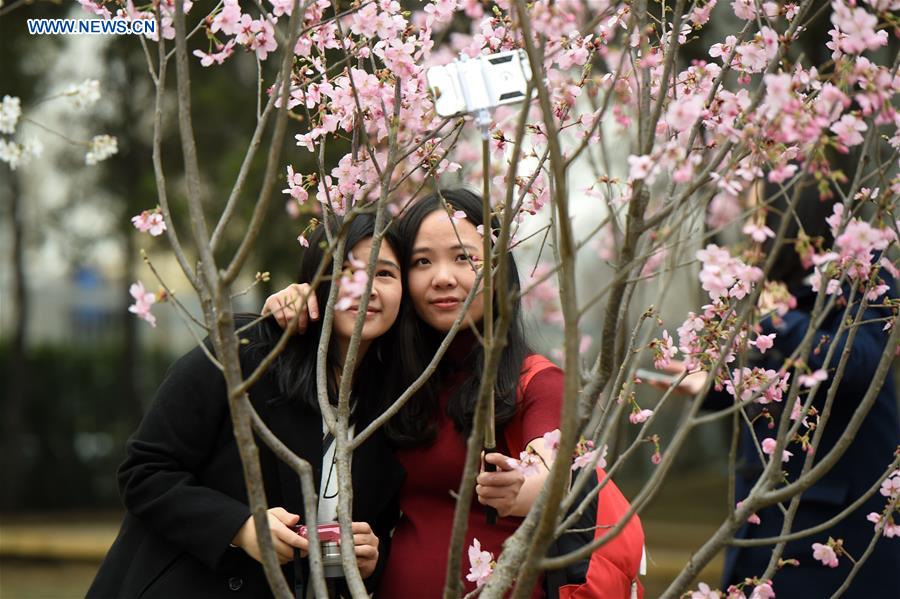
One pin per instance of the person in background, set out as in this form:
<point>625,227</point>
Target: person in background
<point>864,462</point>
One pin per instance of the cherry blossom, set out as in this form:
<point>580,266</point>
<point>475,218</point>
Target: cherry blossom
<point>143,302</point>
<point>637,416</point>
<point>481,564</point>
<point>768,448</point>
<point>825,554</point>
<point>854,30</point>
<point>685,112</point>
<point>641,167</point>
<point>95,8</point>
<point>228,19</point>
<point>10,111</point>
<point>16,155</point>
<point>83,94</point>
<point>585,454</point>
<point>101,148</point>
<point>352,284</point>
<point>704,592</point>
<point>663,350</point>
<point>812,379</point>
<point>763,590</point>
<point>749,382</point>
<point>758,233</point>
<point>458,216</point>
<point>890,530</point>
<point>295,186</point>
<point>529,463</point>
<point>723,275</point>
<point>551,443</point>
<point>764,342</point>
<point>150,221</point>
<point>849,129</point>
<point>218,57</point>
<point>890,487</point>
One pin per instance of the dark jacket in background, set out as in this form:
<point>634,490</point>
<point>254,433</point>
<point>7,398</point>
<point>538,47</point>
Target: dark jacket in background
<point>183,487</point>
<point>862,464</point>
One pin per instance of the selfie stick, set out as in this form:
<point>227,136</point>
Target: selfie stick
<point>483,119</point>
<point>475,86</point>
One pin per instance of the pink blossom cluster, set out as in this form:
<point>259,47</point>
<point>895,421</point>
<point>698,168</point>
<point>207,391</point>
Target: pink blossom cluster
<point>352,284</point>
<point>481,564</point>
<point>854,30</point>
<point>856,244</point>
<point>639,416</point>
<point>766,385</point>
<point>705,592</point>
<point>891,527</point>
<point>722,275</point>
<point>129,12</point>
<point>768,447</point>
<point>143,302</point>
<point>663,350</point>
<point>890,487</point>
<point>826,553</point>
<point>529,463</point>
<point>585,454</point>
<point>150,221</point>
<point>297,190</point>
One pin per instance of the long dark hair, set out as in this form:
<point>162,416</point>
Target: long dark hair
<point>416,422</point>
<point>295,367</point>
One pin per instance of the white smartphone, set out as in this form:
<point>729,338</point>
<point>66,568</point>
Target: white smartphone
<point>653,376</point>
<point>483,82</point>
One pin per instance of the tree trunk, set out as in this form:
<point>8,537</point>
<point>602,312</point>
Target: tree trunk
<point>12,459</point>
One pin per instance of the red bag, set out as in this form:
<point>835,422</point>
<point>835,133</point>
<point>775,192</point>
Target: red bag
<point>612,571</point>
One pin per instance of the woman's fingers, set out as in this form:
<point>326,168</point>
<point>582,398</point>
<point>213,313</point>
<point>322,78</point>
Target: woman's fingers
<point>499,489</point>
<point>286,304</point>
<point>363,535</point>
<point>284,538</point>
<point>365,546</point>
<point>499,460</point>
<point>366,551</point>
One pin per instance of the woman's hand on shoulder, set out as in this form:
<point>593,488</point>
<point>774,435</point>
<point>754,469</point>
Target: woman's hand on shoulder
<point>285,539</point>
<point>365,544</point>
<point>499,489</point>
<point>285,306</point>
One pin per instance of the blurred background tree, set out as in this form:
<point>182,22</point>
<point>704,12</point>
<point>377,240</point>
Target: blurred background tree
<point>77,370</point>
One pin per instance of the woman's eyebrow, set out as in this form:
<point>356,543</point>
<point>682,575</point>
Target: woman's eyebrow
<point>387,262</point>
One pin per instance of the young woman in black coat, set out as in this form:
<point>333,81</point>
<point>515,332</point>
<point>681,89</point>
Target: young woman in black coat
<point>188,531</point>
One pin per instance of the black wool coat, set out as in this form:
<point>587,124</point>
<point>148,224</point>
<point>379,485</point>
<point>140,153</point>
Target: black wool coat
<point>183,488</point>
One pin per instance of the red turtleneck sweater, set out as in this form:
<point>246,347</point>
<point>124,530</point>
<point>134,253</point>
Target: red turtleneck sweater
<point>417,564</point>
